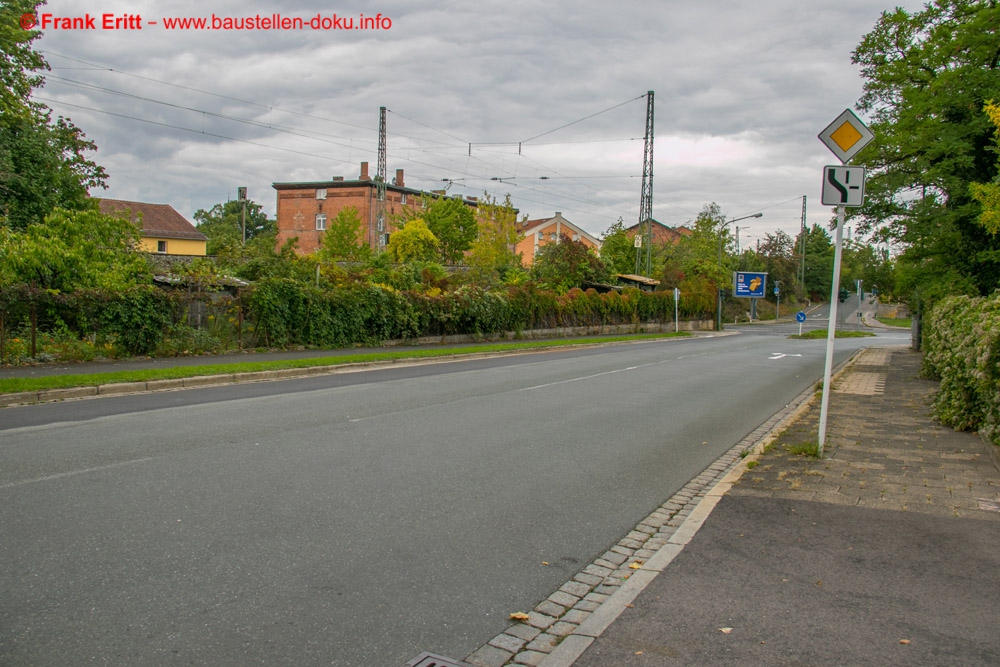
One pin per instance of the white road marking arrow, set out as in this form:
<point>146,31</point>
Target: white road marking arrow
<point>779,355</point>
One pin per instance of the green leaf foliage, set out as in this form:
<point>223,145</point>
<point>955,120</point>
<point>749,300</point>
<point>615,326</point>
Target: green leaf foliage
<point>454,225</point>
<point>927,77</point>
<point>74,250</point>
<point>961,343</point>
<point>43,163</point>
<point>566,264</point>
<point>343,240</point>
<point>223,225</point>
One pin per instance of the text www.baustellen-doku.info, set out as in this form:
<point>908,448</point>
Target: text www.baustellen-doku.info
<point>46,21</point>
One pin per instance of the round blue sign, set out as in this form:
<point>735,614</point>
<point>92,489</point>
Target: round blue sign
<point>800,316</point>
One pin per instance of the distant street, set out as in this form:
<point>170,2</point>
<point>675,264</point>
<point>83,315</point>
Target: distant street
<point>357,519</point>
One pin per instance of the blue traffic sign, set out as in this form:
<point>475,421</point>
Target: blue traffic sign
<point>800,316</point>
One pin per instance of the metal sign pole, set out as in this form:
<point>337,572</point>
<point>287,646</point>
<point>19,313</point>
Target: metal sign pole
<point>831,331</point>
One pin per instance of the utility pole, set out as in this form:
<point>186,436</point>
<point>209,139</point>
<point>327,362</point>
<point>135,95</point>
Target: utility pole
<point>802,280</point>
<point>646,199</point>
<point>380,184</point>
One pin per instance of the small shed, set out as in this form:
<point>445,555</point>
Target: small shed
<point>642,282</point>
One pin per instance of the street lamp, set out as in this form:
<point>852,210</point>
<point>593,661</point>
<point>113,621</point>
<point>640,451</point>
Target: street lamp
<point>718,319</point>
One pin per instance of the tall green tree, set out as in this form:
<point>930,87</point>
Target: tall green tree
<point>698,253</point>
<point>928,75</point>
<point>343,240</point>
<point>493,257</point>
<point>777,254</point>
<point>43,163</point>
<point>223,225</point>
<point>454,224</point>
<point>618,249</point>
<point>819,262</point>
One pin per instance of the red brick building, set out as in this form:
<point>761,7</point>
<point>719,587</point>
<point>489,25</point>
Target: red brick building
<point>661,233</point>
<point>304,209</point>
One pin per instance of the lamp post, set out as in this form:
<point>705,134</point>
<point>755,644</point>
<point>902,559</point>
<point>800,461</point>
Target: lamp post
<point>718,319</point>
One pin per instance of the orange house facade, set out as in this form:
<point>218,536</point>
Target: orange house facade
<point>304,209</point>
<point>536,234</point>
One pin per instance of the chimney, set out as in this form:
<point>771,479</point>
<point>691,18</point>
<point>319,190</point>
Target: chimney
<point>399,177</point>
<point>364,172</point>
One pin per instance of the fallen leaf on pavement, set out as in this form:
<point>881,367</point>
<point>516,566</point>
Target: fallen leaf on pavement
<point>725,631</point>
<point>904,641</point>
<point>636,565</point>
<point>519,616</point>
<point>545,562</point>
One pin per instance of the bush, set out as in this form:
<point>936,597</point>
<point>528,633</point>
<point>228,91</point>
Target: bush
<point>962,349</point>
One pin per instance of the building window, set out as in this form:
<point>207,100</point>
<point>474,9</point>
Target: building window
<point>321,193</point>
<point>161,247</point>
<point>541,236</point>
<point>402,198</point>
<point>554,236</point>
<point>320,222</point>
<point>576,237</point>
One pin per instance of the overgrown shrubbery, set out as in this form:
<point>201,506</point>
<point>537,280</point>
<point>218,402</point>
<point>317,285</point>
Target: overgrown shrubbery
<point>962,349</point>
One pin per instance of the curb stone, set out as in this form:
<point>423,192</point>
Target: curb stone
<point>673,524</point>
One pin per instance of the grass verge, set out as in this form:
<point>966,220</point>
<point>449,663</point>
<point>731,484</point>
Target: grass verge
<point>12,385</point>
<point>821,333</point>
<point>896,322</point>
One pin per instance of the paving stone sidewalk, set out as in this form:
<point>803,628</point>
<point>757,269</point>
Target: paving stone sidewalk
<point>882,450</point>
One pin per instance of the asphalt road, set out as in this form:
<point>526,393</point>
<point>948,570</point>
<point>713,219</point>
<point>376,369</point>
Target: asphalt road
<point>355,519</point>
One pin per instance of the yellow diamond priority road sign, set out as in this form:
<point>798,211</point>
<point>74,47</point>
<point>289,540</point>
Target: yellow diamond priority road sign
<point>846,136</point>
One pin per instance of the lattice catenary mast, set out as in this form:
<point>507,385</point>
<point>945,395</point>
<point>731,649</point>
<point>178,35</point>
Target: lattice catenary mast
<point>646,199</point>
<point>380,184</point>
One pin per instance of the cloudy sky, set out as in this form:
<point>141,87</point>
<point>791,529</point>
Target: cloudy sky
<point>548,97</point>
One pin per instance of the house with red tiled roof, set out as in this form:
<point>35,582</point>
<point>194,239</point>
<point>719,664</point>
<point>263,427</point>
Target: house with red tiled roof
<point>661,233</point>
<point>535,234</point>
<point>164,230</point>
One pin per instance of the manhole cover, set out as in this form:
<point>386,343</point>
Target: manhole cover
<point>431,660</point>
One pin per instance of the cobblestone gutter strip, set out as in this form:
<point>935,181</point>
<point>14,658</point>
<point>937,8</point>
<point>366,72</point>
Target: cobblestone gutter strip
<point>560,628</point>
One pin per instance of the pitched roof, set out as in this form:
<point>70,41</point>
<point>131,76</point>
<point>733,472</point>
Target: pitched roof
<point>527,227</point>
<point>158,220</point>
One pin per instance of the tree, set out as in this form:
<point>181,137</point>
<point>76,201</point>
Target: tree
<point>223,225</point>
<point>988,194</point>
<point>617,249</point>
<point>492,255</point>
<point>567,264</point>
<point>697,254</point>
<point>414,242</point>
<point>343,239</point>
<point>73,250</point>
<point>819,262</point>
<point>454,225</point>
<point>43,164</point>
<point>927,78</point>
<point>777,254</point>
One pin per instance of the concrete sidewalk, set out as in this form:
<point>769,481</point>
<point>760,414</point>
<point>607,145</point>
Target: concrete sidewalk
<point>886,551</point>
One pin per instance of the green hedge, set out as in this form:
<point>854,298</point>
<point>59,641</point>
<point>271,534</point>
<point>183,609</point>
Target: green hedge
<point>284,312</point>
<point>962,349</point>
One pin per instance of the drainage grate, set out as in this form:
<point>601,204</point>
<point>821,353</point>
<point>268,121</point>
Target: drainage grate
<point>431,660</point>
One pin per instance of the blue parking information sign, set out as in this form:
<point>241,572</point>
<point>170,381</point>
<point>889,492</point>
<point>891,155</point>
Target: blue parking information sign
<point>749,285</point>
